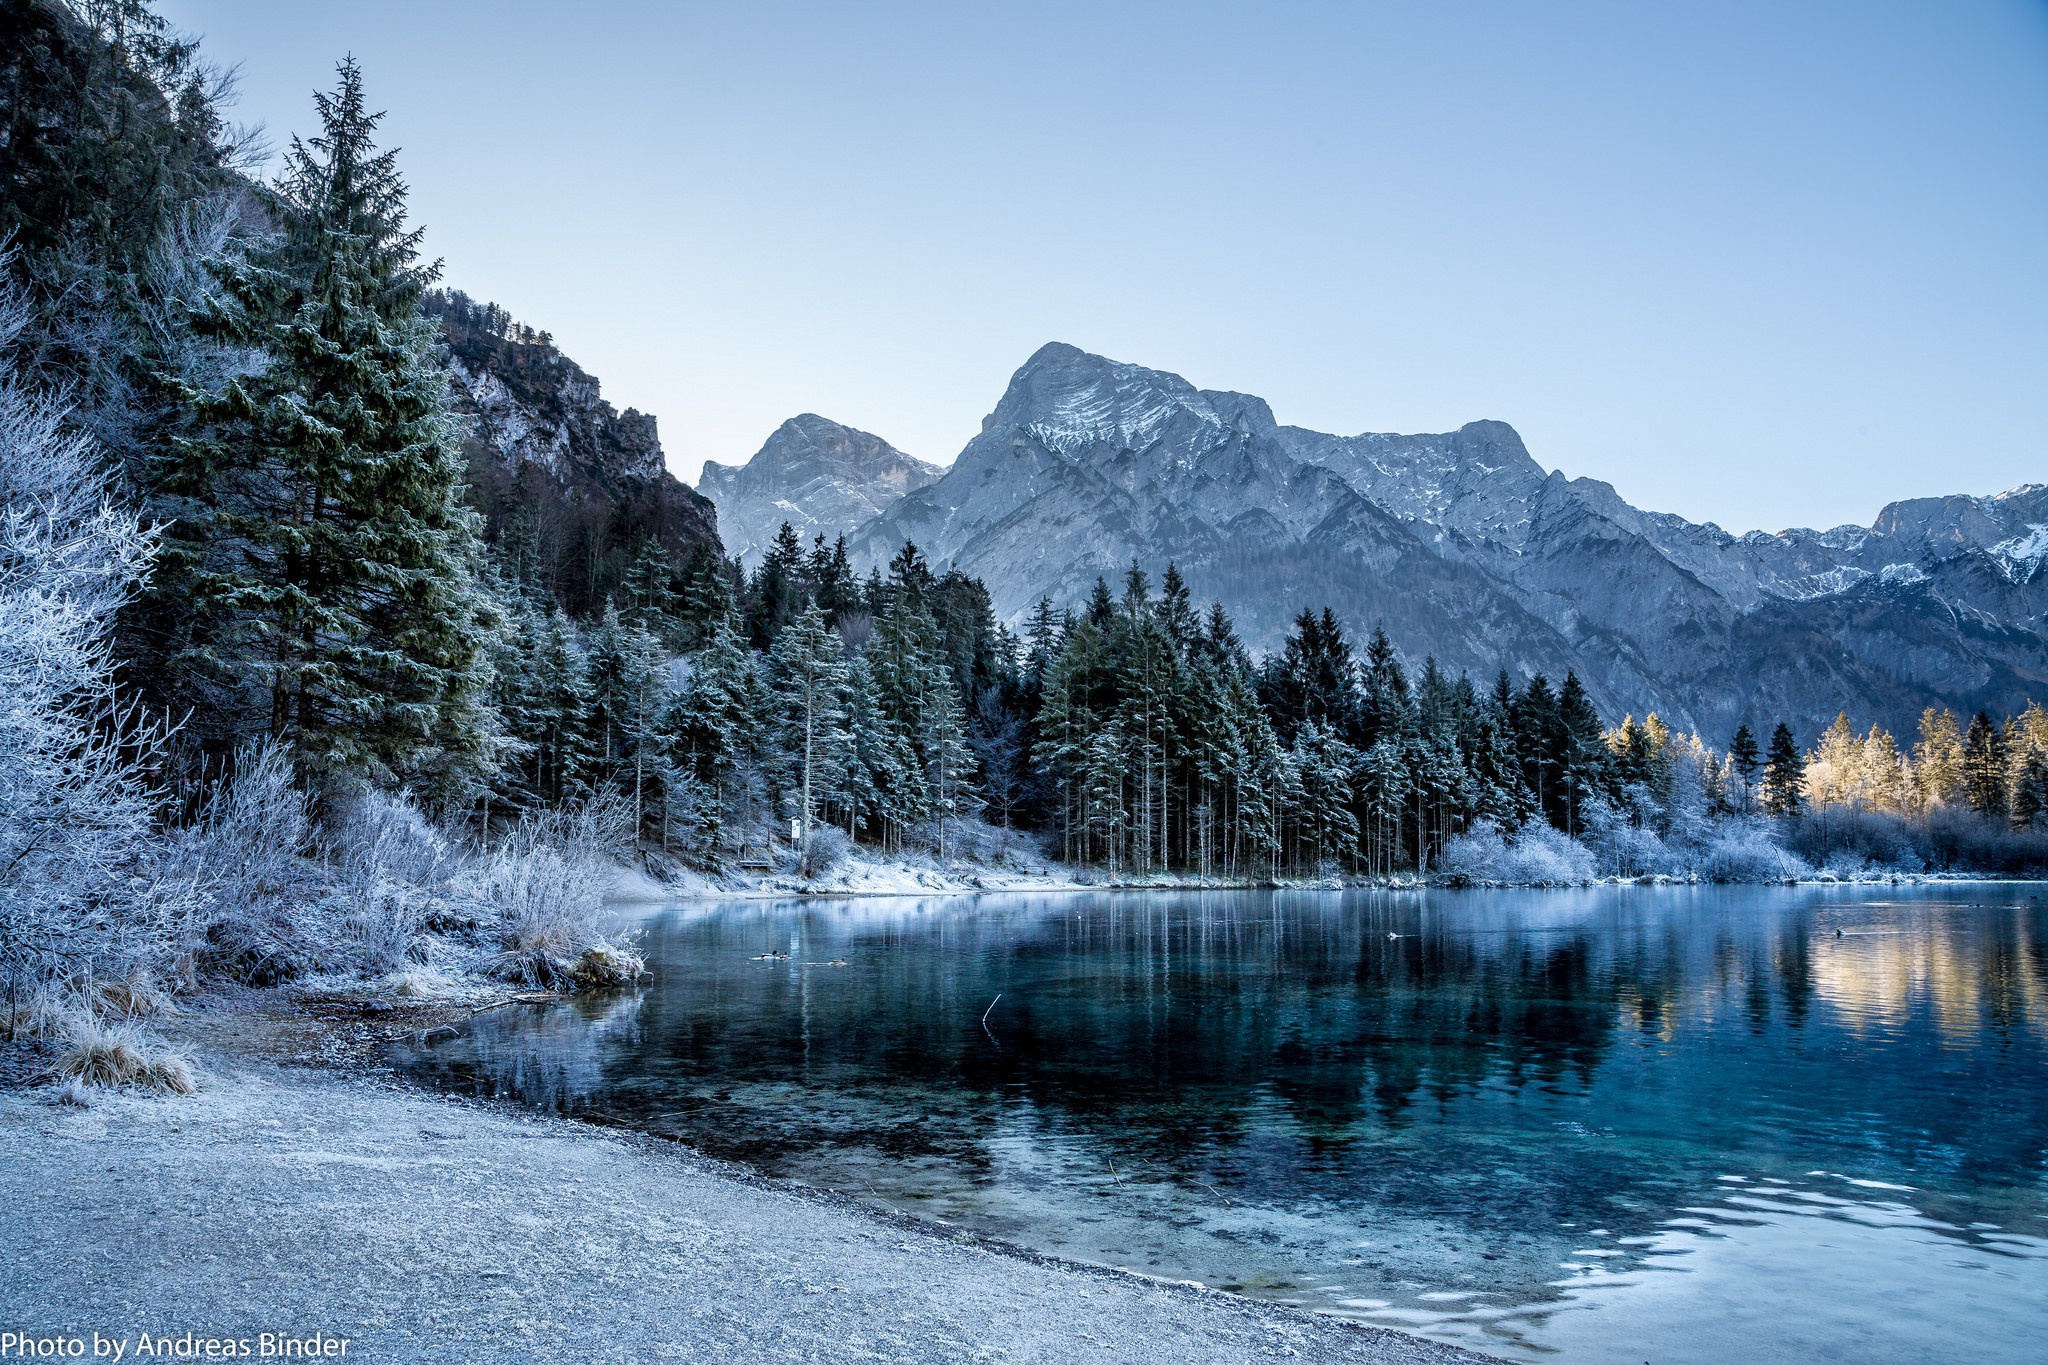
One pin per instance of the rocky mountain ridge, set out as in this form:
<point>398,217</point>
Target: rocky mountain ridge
<point>820,477</point>
<point>1465,547</point>
<point>547,454</point>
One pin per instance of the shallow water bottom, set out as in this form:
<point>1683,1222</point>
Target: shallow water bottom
<point>1625,1125</point>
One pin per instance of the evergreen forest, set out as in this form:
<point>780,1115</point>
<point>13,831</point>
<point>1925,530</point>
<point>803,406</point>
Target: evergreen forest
<point>243,535</point>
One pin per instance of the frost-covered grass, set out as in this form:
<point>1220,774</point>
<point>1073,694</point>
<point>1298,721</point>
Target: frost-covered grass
<point>100,1053</point>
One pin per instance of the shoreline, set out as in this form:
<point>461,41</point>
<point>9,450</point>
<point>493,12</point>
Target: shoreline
<point>306,1188</point>
<point>636,886</point>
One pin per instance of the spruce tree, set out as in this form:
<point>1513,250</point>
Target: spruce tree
<point>713,725</point>
<point>1324,764</point>
<point>776,591</point>
<point>1746,760</point>
<point>1940,764</point>
<point>948,758</point>
<point>1984,766</point>
<point>324,563</point>
<point>807,671</point>
<point>560,706</point>
<point>1582,752</point>
<point>650,580</point>
<point>1784,774</point>
<point>2030,792</point>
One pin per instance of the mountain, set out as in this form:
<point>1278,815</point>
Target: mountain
<point>1465,548</point>
<point>820,477</point>
<point>549,455</point>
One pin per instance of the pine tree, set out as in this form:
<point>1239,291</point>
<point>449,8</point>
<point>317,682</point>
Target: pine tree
<point>2030,792</point>
<point>1324,764</point>
<point>1176,609</point>
<point>1784,774</point>
<point>776,592</point>
<point>807,670</point>
<point>1940,765</point>
<point>714,722</point>
<point>835,589</point>
<point>1385,708</point>
<point>1101,606</point>
<point>948,758</point>
<point>1984,766</point>
<point>1581,753</point>
<point>561,702</point>
<point>324,563</point>
<point>1834,770</point>
<point>2026,739</point>
<point>707,597</point>
<point>1745,760</point>
<point>650,587</point>
<point>1539,740</point>
<point>1886,777</point>
<point>629,697</point>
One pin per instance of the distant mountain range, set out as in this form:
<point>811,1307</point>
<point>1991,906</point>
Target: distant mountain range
<point>1459,543</point>
<point>819,476</point>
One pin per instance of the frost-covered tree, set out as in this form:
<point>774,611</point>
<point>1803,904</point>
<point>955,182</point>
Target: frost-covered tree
<point>948,758</point>
<point>714,729</point>
<point>807,671</point>
<point>80,890</point>
<point>1939,761</point>
<point>1745,764</point>
<point>2030,792</point>
<point>323,562</point>
<point>628,683</point>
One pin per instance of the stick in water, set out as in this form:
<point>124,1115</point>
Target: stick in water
<point>984,1020</point>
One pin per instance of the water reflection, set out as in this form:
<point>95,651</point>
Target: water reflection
<point>1414,1108</point>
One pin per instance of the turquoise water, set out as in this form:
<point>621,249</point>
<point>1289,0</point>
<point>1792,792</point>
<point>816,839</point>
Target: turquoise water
<point>1628,1124</point>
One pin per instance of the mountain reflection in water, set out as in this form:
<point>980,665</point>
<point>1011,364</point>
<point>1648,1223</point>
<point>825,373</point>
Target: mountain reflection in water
<point>1624,1123</point>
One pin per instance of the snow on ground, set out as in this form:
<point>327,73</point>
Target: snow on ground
<point>296,1201</point>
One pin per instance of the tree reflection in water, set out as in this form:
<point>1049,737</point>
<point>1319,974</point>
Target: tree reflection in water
<point>1329,1095</point>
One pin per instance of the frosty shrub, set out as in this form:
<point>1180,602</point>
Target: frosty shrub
<point>84,888</point>
<point>828,847</point>
<point>1622,841</point>
<point>1746,851</point>
<point>1539,856</point>
<point>251,831</point>
<point>382,925</point>
<point>247,850</point>
<point>978,842</point>
<point>1849,838</point>
<point>382,839</point>
<point>547,882</point>
<point>1956,837</point>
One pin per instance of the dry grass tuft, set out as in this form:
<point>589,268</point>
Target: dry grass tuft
<point>98,1053</point>
<point>604,965</point>
<point>418,984</point>
<point>139,996</point>
<point>75,1093</point>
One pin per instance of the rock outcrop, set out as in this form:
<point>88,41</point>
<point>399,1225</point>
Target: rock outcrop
<point>548,455</point>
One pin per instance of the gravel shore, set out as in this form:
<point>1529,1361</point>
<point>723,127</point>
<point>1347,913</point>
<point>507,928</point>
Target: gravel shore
<point>297,1200</point>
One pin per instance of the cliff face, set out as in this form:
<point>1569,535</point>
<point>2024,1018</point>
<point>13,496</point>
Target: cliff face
<point>1464,547</point>
<point>820,477</point>
<point>549,457</point>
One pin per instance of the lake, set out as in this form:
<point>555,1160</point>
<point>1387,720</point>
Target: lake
<point>1623,1124</point>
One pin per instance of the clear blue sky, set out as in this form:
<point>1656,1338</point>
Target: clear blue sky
<point>1763,264</point>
